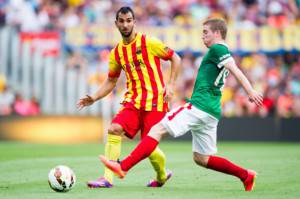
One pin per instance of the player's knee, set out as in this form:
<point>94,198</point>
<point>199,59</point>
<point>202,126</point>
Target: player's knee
<point>157,131</point>
<point>115,129</point>
<point>200,160</point>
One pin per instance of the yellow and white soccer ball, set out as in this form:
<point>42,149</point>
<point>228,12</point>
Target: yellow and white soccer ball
<point>61,178</point>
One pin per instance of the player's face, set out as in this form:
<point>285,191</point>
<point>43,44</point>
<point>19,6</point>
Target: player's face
<point>208,36</point>
<point>125,24</point>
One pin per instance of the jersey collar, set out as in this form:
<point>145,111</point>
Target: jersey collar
<point>222,43</point>
<point>136,36</point>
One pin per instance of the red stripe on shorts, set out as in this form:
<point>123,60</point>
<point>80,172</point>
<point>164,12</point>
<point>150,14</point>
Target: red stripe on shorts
<point>189,107</point>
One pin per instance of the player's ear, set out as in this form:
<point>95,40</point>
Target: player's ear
<point>218,32</point>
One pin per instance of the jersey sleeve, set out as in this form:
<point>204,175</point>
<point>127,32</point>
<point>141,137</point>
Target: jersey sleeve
<point>159,49</point>
<point>114,66</point>
<point>220,55</point>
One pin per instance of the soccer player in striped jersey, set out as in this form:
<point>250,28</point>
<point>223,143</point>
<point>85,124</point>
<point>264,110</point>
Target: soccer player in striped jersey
<point>146,100</point>
<point>201,114</point>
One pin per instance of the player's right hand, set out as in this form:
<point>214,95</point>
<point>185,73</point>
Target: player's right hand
<point>256,98</point>
<point>86,101</point>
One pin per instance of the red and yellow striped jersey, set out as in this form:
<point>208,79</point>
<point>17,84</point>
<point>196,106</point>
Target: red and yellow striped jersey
<point>140,61</point>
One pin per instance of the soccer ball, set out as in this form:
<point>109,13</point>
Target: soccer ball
<point>61,178</point>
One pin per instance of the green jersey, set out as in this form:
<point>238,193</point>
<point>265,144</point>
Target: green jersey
<point>210,80</point>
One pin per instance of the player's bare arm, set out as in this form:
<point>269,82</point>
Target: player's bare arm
<point>253,95</point>
<point>175,64</point>
<point>105,89</point>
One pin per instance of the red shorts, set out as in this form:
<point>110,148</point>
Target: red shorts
<point>132,120</point>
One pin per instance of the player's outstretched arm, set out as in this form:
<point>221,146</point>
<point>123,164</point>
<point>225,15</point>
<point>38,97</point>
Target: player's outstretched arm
<point>253,95</point>
<point>175,64</point>
<point>105,89</point>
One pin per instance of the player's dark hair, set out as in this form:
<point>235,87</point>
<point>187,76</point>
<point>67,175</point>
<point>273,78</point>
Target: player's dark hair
<point>217,24</point>
<point>124,10</point>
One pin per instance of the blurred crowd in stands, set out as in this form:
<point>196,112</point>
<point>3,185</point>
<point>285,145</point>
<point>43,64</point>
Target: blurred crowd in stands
<point>12,103</point>
<point>277,76</point>
<point>36,15</point>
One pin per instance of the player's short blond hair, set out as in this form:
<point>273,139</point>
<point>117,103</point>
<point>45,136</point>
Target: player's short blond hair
<point>217,25</point>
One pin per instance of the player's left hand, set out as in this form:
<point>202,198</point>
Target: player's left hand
<point>256,98</point>
<point>169,93</point>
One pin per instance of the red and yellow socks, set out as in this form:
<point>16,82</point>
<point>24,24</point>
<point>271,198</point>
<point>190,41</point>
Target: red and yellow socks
<point>141,151</point>
<point>112,152</point>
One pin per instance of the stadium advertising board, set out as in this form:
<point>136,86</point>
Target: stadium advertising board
<point>263,39</point>
<point>48,43</point>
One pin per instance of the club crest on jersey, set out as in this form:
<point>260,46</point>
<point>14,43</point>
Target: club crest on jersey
<point>138,50</point>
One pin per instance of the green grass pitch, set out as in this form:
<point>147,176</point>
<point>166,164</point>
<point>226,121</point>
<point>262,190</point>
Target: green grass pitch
<point>24,169</point>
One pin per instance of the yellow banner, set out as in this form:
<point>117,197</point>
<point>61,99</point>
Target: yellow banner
<point>265,39</point>
<point>52,129</point>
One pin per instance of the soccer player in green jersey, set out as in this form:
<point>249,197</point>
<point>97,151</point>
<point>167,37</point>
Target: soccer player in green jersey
<point>202,112</point>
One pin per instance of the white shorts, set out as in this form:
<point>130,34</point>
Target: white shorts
<point>202,125</point>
